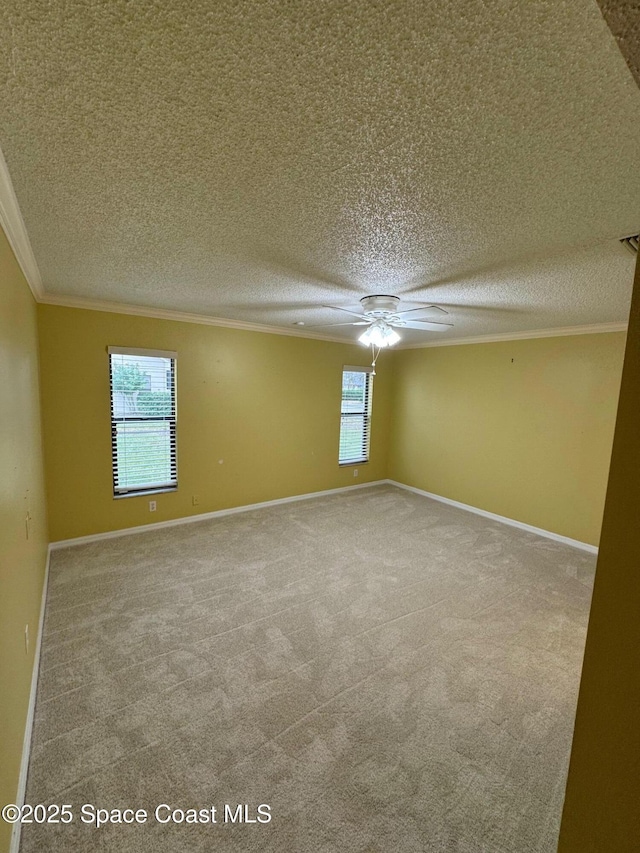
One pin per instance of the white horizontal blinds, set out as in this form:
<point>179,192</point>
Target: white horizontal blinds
<point>355,415</point>
<point>143,420</point>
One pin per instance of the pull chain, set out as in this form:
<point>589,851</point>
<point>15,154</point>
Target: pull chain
<point>374,356</point>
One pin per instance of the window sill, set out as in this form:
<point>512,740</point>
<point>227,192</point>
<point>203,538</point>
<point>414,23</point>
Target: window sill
<point>353,462</point>
<point>117,497</point>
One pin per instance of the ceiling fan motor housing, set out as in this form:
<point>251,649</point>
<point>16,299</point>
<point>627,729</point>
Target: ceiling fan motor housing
<point>379,306</point>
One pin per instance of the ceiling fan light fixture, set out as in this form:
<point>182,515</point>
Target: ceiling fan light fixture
<point>379,334</point>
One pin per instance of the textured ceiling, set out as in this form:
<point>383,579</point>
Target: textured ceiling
<point>253,160</point>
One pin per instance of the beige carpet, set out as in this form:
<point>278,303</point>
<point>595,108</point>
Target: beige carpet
<point>385,672</point>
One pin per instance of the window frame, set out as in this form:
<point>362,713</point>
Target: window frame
<point>148,488</point>
<point>365,415</point>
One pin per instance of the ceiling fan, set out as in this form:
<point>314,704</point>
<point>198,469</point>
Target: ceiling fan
<point>380,313</point>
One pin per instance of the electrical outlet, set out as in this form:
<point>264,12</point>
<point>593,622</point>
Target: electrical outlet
<point>152,506</point>
<point>355,472</point>
<point>26,639</point>
<point>195,500</point>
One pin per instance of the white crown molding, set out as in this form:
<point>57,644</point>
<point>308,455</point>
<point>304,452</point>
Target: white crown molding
<point>13,226</point>
<point>502,519</point>
<point>181,317</point>
<point>560,332</point>
<point>205,320</point>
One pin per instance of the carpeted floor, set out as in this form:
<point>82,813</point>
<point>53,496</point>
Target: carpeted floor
<point>385,672</point>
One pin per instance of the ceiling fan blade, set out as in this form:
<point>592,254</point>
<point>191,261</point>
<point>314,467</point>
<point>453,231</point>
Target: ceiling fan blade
<point>336,308</point>
<point>424,308</point>
<point>426,326</point>
<point>354,323</point>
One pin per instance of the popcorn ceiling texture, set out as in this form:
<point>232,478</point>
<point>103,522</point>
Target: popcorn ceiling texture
<point>254,160</point>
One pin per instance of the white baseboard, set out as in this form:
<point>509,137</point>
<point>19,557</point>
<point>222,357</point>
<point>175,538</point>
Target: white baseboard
<point>24,767</point>
<point>548,534</point>
<point>28,729</point>
<point>204,516</point>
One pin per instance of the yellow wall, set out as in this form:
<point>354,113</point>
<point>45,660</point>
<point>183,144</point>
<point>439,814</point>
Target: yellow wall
<point>472,423</point>
<point>22,560</point>
<point>523,428</point>
<point>602,805</point>
<point>268,405</point>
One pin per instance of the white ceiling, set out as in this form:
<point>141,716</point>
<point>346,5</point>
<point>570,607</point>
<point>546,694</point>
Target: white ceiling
<point>255,160</point>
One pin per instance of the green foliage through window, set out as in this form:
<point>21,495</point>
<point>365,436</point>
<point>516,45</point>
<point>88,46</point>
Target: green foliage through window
<point>143,421</point>
<point>156,404</point>
<point>128,378</point>
<point>355,415</point>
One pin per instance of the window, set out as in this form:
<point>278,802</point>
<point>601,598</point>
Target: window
<point>355,415</point>
<point>143,420</point>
